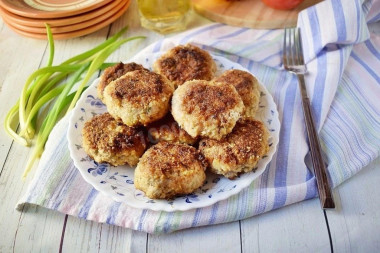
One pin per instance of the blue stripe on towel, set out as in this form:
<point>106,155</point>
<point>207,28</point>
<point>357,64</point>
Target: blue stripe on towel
<point>340,21</point>
<point>141,220</point>
<point>368,68</point>
<point>310,188</point>
<point>167,225</point>
<point>262,203</point>
<point>374,51</point>
<point>358,20</point>
<point>87,205</point>
<point>314,22</point>
<point>283,145</point>
<point>375,18</point>
<point>199,31</point>
<point>319,87</point>
<point>213,213</point>
<point>64,187</point>
<point>113,213</point>
<point>233,34</point>
<point>196,217</point>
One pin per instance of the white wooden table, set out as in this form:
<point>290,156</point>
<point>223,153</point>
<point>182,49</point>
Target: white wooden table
<point>353,227</point>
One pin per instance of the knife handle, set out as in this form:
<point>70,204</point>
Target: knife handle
<point>324,189</point>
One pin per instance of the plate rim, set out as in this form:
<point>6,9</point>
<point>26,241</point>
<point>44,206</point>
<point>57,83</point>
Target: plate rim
<point>58,22</point>
<point>169,208</point>
<point>73,34</point>
<point>28,11</point>
<point>71,27</point>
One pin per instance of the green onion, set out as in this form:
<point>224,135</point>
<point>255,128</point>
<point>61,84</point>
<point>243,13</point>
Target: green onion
<point>45,87</point>
<point>97,62</point>
<point>44,133</point>
<point>96,49</point>
<point>51,120</point>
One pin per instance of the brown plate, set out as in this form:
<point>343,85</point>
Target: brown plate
<point>56,22</point>
<point>51,8</point>
<point>68,28</point>
<point>77,33</point>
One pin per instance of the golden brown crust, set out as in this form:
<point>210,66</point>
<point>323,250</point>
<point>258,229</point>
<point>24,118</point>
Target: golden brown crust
<point>209,99</point>
<point>139,87</point>
<point>239,151</point>
<point>170,169</point>
<point>107,140</point>
<point>138,97</point>
<point>184,63</point>
<point>205,108</point>
<point>167,129</point>
<point>247,87</point>
<point>114,72</point>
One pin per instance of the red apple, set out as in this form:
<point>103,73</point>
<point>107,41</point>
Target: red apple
<point>283,4</point>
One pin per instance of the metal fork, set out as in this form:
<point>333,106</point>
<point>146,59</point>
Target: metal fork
<point>294,63</point>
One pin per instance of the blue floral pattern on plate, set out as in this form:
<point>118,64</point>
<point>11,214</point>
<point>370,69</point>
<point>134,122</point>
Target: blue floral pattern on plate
<point>117,182</point>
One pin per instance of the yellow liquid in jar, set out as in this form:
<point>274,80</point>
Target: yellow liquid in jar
<point>164,16</point>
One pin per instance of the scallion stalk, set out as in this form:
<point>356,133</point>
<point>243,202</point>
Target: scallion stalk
<point>45,86</point>
<point>97,62</point>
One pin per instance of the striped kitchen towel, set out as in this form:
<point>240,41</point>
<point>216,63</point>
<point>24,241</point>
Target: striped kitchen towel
<point>343,85</point>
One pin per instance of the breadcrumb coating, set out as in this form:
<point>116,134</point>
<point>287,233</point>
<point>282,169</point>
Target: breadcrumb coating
<point>169,169</point>
<point>138,97</point>
<point>184,63</point>
<point>239,151</point>
<point>167,129</point>
<point>114,72</point>
<point>207,109</point>
<point>248,88</point>
<point>110,141</point>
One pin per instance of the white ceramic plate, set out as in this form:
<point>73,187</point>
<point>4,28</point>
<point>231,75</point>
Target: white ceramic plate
<point>117,182</point>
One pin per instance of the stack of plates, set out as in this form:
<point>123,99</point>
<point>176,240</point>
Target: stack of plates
<point>67,18</point>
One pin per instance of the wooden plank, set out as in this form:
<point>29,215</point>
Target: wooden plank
<point>252,14</point>
<point>299,227</point>
<point>355,224</point>
<point>11,189</point>
<point>39,230</point>
<point>81,236</point>
<point>11,81</point>
<point>139,242</point>
<point>118,239</point>
<point>88,236</point>
<point>21,231</point>
<point>216,238</point>
<point>12,161</point>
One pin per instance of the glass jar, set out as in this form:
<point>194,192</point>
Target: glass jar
<point>164,16</point>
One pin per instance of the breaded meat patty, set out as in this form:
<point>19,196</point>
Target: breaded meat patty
<point>167,129</point>
<point>207,109</point>
<point>248,88</point>
<point>110,141</point>
<point>138,97</point>
<point>239,151</point>
<point>184,63</point>
<point>170,169</point>
<point>114,72</point>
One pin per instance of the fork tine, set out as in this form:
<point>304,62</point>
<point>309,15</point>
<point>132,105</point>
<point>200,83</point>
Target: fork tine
<point>299,43</point>
<point>284,50</point>
<point>291,47</point>
<point>297,49</point>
